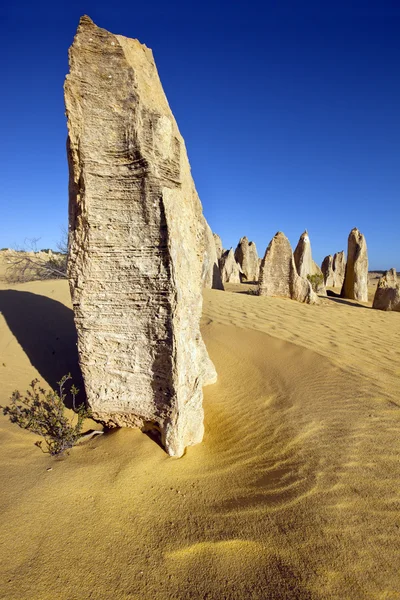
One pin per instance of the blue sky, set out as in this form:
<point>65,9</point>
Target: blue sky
<point>290,112</point>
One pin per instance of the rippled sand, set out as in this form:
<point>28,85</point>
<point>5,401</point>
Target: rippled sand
<point>294,493</point>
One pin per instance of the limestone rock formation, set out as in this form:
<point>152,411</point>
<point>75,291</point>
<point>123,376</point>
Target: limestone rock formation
<point>387,295</point>
<point>229,268</point>
<point>339,268</point>
<point>303,257</point>
<point>246,256</point>
<point>210,275</point>
<point>136,243</point>
<point>327,270</point>
<point>278,274</point>
<point>305,265</point>
<point>355,284</point>
<point>333,269</point>
<point>218,245</point>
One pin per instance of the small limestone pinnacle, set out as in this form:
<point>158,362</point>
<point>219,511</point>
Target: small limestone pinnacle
<point>85,20</point>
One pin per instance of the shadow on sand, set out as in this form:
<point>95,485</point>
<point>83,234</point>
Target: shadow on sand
<point>339,300</point>
<point>253,291</point>
<point>248,292</point>
<point>45,329</point>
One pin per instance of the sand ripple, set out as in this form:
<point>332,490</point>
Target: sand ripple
<point>294,493</point>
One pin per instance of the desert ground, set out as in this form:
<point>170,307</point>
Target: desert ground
<point>293,494</point>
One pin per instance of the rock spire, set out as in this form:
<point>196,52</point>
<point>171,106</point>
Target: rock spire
<point>278,274</point>
<point>247,257</point>
<point>136,243</point>
<point>355,284</point>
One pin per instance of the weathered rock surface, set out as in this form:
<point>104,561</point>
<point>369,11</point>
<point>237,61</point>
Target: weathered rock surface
<point>136,243</point>
<point>355,284</point>
<point>278,273</point>
<point>210,275</point>
<point>305,265</point>
<point>303,256</point>
<point>218,245</point>
<point>387,295</point>
<point>229,268</point>
<point>327,270</point>
<point>333,269</point>
<point>339,268</point>
<point>246,256</point>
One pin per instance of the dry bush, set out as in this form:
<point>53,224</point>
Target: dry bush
<point>31,264</point>
<point>43,412</point>
<point>316,280</point>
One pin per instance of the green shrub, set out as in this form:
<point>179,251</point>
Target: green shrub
<point>43,412</point>
<point>316,280</point>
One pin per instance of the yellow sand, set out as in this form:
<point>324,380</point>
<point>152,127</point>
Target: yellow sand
<point>294,493</point>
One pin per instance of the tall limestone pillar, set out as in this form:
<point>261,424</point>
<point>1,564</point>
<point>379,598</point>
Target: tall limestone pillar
<point>278,273</point>
<point>136,243</point>
<point>355,284</point>
<point>247,257</point>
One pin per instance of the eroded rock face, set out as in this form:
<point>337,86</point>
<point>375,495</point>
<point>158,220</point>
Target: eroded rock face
<point>327,270</point>
<point>339,268</point>
<point>210,275</point>
<point>218,245</point>
<point>254,261</point>
<point>355,284</point>
<point>278,273</point>
<point>303,257</point>
<point>305,265</point>
<point>387,295</point>
<point>229,268</point>
<point>136,243</point>
<point>333,269</point>
<point>246,256</point>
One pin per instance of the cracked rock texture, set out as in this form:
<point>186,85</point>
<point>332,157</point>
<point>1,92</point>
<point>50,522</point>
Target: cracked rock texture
<point>333,269</point>
<point>327,270</point>
<point>306,266</point>
<point>229,268</point>
<point>136,243</point>
<point>278,273</point>
<point>211,277</point>
<point>303,257</point>
<point>339,268</point>
<point>355,284</point>
<point>218,245</point>
<point>246,256</point>
<point>387,295</point>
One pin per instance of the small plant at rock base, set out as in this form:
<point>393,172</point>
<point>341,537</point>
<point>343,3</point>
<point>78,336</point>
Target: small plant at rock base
<point>316,280</point>
<point>43,412</point>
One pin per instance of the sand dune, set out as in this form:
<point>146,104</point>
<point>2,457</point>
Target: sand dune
<point>294,493</point>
